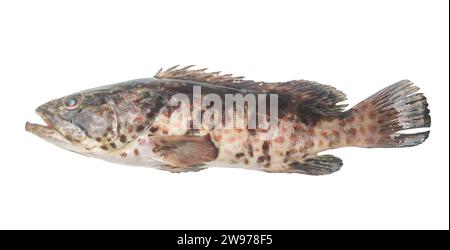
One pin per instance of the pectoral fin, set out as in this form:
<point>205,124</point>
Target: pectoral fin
<point>185,151</point>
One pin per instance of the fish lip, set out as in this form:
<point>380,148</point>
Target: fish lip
<point>49,125</point>
<point>49,132</point>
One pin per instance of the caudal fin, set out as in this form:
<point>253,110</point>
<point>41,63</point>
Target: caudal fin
<point>395,108</point>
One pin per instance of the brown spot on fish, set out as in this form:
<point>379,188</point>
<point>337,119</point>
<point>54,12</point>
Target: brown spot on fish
<point>139,128</point>
<point>123,154</point>
<point>113,145</point>
<point>98,139</point>
<point>246,161</point>
<point>239,155</point>
<point>104,147</point>
<point>123,138</point>
<point>250,150</point>
<point>288,154</point>
<point>153,129</point>
<point>261,159</point>
<point>291,152</point>
<point>150,115</point>
<point>266,147</point>
<point>351,132</point>
<point>335,133</point>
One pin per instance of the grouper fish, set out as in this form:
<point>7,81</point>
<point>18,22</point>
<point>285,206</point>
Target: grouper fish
<point>133,122</point>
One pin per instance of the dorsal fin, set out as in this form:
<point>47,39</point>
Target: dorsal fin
<point>311,96</point>
<point>318,98</point>
<point>200,75</point>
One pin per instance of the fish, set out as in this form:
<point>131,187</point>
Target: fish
<point>133,122</point>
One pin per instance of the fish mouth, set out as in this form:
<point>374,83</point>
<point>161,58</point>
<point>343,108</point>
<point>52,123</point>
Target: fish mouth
<point>50,133</point>
<point>48,130</point>
<point>38,129</point>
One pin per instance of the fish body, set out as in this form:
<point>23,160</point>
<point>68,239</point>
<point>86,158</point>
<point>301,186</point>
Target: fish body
<point>139,122</point>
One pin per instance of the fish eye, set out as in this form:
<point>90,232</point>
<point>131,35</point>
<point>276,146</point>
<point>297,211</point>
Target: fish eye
<point>72,102</point>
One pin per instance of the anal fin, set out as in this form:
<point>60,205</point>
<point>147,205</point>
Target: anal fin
<point>317,165</point>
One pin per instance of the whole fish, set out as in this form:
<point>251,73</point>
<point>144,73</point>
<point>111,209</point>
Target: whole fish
<point>131,123</point>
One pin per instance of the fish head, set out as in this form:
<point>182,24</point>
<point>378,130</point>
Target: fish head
<point>79,122</point>
<point>100,121</point>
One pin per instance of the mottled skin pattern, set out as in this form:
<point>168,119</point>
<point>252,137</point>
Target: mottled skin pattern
<point>129,123</point>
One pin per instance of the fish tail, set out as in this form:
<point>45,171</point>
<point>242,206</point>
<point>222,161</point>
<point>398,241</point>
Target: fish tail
<point>381,120</point>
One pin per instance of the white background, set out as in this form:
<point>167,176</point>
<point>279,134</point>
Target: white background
<point>53,48</point>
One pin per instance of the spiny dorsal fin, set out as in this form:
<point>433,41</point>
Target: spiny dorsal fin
<point>199,75</point>
<point>313,97</point>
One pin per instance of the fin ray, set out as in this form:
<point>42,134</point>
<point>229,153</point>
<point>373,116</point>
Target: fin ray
<point>173,169</point>
<point>315,98</point>
<point>397,108</point>
<point>316,165</point>
<point>186,73</point>
<point>184,151</point>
